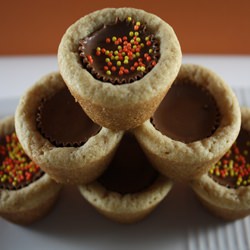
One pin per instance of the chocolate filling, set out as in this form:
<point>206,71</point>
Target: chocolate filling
<point>16,169</point>
<point>120,52</point>
<point>187,113</point>
<point>234,166</point>
<point>129,171</point>
<point>63,122</point>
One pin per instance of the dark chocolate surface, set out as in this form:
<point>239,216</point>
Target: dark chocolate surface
<point>119,30</point>
<point>63,122</point>
<point>129,171</point>
<point>187,113</point>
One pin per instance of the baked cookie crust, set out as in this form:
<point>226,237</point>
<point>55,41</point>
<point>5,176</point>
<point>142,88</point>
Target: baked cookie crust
<point>186,161</point>
<point>32,202</point>
<point>72,165</point>
<point>128,105</point>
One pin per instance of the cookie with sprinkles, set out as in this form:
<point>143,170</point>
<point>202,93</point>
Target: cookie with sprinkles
<point>225,189</point>
<point>119,63</point>
<point>26,192</point>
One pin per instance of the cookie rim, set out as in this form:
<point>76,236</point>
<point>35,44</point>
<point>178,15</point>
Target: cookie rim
<point>84,86</point>
<point>72,165</point>
<point>197,156</point>
<point>127,208</point>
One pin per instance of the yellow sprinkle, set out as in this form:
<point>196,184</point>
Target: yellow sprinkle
<point>143,68</point>
<point>106,52</point>
<point>138,23</point>
<point>131,33</point>
<point>136,33</point>
<point>119,47</point>
<point>98,48</point>
<point>231,164</point>
<point>107,59</point>
<point>137,54</point>
<point>116,58</point>
<point>129,18</point>
<point>114,38</point>
<point>125,61</point>
<point>116,52</point>
<point>108,72</point>
<point>142,45</point>
<point>150,51</point>
<point>138,39</point>
<point>217,173</point>
<point>118,63</point>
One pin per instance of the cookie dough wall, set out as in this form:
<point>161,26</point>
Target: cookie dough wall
<point>208,27</point>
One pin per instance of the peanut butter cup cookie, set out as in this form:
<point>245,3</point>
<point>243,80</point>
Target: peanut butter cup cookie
<point>26,192</point>
<point>57,134</point>
<point>195,124</point>
<point>225,189</point>
<point>119,64</point>
<point>130,188</point>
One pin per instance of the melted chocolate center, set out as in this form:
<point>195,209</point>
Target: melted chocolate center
<point>129,171</point>
<point>121,52</point>
<point>187,113</point>
<point>63,122</point>
<point>233,169</point>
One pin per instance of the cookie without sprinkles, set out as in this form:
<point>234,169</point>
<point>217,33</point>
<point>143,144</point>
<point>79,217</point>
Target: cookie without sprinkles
<point>16,169</point>
<point>121,52</point>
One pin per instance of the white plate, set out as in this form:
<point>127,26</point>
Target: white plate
<point>180,222</point>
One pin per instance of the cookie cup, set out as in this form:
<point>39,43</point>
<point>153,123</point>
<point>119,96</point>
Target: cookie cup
<point>128,208</point>
<point>32,202</point>
<point>229,204</point>
<point>185,161</point>
<point>119,107</point>
<point>72,165</point>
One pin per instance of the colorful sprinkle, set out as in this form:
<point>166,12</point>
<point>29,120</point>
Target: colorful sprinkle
<point>16,169</point>
<point>233,169</point>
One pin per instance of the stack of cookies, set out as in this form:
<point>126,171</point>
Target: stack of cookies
<point>123,120</point>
